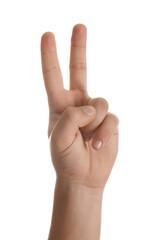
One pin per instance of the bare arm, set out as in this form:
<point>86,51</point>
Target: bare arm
<point>76,213</point>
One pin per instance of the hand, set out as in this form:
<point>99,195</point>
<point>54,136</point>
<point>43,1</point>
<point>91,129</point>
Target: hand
<point>83,141</point>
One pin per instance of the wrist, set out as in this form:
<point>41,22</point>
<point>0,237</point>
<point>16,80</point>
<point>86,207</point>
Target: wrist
<point>68,187</point>
<point>78,209</point>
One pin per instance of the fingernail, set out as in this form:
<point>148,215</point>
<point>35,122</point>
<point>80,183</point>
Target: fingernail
<point>97,144</point>
<point>89,110</point>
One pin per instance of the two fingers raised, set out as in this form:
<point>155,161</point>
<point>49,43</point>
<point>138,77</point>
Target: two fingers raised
<point>51,68</point>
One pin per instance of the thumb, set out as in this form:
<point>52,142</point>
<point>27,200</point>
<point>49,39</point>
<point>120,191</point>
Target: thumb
<point>67,126</point>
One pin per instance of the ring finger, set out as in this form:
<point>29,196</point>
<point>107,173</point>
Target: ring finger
<point>105,131</point>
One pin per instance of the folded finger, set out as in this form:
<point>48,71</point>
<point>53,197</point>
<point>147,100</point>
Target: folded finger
<point>105,131</point>
<point>101,106</point>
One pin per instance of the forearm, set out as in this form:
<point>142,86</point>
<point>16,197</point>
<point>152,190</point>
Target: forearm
<point>76,212</point>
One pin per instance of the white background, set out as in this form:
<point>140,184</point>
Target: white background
<point>124,58</point>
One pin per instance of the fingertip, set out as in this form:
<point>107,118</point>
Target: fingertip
<point>79,34</point>
<point>48,42</point>
<point>116,119</point>
<point>47,35</point>
<point>79,28</point>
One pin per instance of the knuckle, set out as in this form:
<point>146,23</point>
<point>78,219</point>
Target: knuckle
<point>52,69</point>
<point>68,112</point>
<point>103,102</point>
<point>115,118</point>
<point>78,66</point>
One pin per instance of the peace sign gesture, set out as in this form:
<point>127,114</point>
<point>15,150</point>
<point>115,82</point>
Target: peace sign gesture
<point>83,134</point>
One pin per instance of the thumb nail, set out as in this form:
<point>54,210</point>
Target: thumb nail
<point>89,110</point>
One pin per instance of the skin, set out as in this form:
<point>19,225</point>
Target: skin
<point>82,168</point>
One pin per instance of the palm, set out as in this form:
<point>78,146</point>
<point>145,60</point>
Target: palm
<point>99,163</point>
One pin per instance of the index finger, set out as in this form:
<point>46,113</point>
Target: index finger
<point>50,65</point>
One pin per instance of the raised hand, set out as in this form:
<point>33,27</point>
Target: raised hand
<point>83,134</point>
